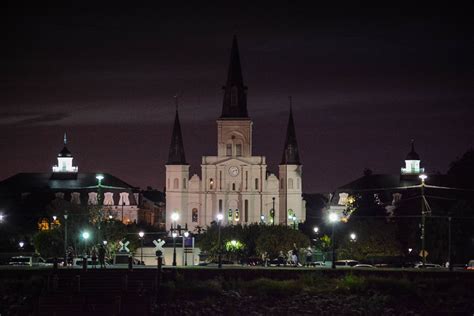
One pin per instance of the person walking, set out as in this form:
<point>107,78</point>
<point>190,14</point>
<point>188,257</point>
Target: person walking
<point>94,256</point>
<point>102,256</point>
<point>309,256</point>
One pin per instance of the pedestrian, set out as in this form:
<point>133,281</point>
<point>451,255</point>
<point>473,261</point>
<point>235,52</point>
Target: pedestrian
<point>281,258</point>
<point>94,256</point>
<point>294,259</point>
<point>102,256</point>
<point>309,256</point>
<point>295,251</point>
<point>70,256</point>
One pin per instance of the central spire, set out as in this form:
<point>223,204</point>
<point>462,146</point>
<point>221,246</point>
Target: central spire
<point>291,155</point>
<point>235,93</point>
<point>176,154</point>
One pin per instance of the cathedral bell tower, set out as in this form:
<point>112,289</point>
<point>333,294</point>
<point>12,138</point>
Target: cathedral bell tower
<point>292,208</point>
<point>234,127</point>
<point>177,177</point>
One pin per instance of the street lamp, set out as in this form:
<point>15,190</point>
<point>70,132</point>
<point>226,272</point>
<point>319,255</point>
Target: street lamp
<point>99,178</point>
<point>65,238</point>
<point>316,229</point>
<point>174,234</point>
<point>294,221</point>
<point>21,244</point>
<point>2,217</point>
<point>141,235</point>
<point>262,218</point>
<point>333,218</point>
<point>85,236</point>
<point>185,235</point>
<point>104,242</point>
<point>353,237</point>
<point>54,218</point>
<point>220,217</point>
<point>423,177</point>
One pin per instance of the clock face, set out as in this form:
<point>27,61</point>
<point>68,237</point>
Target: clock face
<point>234,171</point>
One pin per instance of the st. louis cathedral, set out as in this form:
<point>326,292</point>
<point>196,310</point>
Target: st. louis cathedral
<point>234,182</point>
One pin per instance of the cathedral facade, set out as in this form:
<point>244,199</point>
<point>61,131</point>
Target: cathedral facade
<point>234,183</point>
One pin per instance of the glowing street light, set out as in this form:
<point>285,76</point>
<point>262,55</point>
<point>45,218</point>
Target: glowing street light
<point>353,236</point>
<point>185,235</point>
<point>99,177</point>
<point>233,242</point>
<point>85,235</point>
<point>141,234</point>
<point>104,242</point>
<point>316,229</point>
<point>2,217</point>
<point>220,217</point>
<point>333,219</point>
<point>174,217</point>
<point>21,244</point>
<point>55,217</point>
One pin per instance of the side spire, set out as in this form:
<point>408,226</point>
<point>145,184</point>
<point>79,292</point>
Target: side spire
<point>235,92</point>
<point>290,151</point>
<point>176,154</point>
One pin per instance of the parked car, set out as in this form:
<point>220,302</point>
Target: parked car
<point>317,264</point>
<point>470,265</point>
<point>31,261</point>
<point>364,265</point>
<point>346,263</point>
<point>428,266</point>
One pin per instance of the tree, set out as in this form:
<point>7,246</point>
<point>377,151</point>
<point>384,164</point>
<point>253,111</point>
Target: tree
<point>49,243</point>
<point>374,238</point>
<point>274,239</point>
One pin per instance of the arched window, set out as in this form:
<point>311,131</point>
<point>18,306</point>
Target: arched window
<point>176,183</point>
<point>290,183</point>
<point>233,186</point>
<point>211,184</point>
<point>195,215</point>
<point>256,183</point>
<point>108,198</point>
<point>184,183</point>
<point>124,200</point>
<point>238,149</point>
<point>76,198</point>
<point>246,211</point>
<point>92,198</point>
<point>228,150</point>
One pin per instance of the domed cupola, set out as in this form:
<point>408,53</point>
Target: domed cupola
<point>65,160</point>
<point>412,162</point>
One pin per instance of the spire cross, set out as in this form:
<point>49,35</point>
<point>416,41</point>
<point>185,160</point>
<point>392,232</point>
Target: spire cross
<point>65,138</point>
<point>176,97</point>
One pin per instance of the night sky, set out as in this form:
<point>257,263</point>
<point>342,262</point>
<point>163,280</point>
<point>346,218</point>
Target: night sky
<point>364,81</point>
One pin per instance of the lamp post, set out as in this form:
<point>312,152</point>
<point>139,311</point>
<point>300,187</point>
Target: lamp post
<point>141,235</point>
<point>423,218</point>
<point>65,238</point>
<point>220,217</point>
<point>449,245</point>
<point>262,218</point>
<point>99,178</point>
<point>21,244</point>
<point>333,218</point>
<point>273,211</point>
<point>174,234</point>
<point>123,203</point>
<point>85,236</point>
<point>185,235</point>
<point>294,221</point>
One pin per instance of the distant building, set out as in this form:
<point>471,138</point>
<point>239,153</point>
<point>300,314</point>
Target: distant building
<point>234,183</point>
<point>153,208</point>
<point>396,194</point>
<point>26,195</point>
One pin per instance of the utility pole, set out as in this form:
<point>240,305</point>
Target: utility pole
<point>423,219</point>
